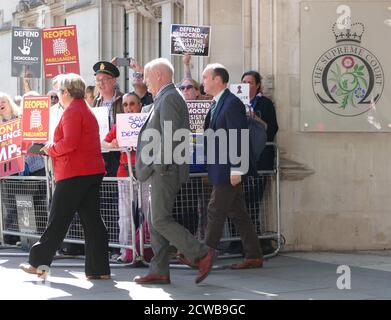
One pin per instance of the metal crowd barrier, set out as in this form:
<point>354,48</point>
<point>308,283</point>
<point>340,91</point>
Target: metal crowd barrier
<point>262,195</point>
<point>25,203</point>
<point>25,206</point>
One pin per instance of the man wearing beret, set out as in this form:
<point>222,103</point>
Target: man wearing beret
<point>110,97</point>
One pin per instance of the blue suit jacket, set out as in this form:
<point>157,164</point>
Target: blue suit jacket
<point>230,114</point>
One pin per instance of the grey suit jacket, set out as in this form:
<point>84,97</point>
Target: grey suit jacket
<point>168,105</point>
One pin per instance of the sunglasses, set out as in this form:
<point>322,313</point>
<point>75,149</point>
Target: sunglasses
<point>183,88</point>
<point>130,104</point>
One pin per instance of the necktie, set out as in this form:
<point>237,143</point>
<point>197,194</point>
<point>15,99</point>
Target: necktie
<point>212,109</point>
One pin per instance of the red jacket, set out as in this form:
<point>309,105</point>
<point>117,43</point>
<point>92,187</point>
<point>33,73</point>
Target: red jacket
<point>123,160</point>
<point>76,150</point>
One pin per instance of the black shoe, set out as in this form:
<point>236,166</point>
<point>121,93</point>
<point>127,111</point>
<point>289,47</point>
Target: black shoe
<point>11,239</point>
<point>71,249</point>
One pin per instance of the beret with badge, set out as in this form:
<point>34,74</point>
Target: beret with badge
<point>106,67</point>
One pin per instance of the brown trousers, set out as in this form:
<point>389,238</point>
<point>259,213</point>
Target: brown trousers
<point>228,201</point>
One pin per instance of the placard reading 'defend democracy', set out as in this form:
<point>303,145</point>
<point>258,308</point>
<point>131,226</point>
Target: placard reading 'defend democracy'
<point>60,51</point>
<point>11,159</point>
<point>197,113</point>
<point>26,52</point>
<point>35,120</point>
<point>242,91</point>
<point>128,128</point>
<point>190,39</point>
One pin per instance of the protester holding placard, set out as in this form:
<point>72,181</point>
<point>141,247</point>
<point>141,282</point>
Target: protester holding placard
<point>8,112</point>
<point>187,198</point>
<point>265,113</point>
<point>190,89</point>
<point>199,92</point>
<point>109,97</point>
<point>131,104</point>
<point>185,209</point>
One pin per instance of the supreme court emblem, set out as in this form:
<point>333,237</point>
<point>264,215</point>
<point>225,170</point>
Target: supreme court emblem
<point>348,79</point>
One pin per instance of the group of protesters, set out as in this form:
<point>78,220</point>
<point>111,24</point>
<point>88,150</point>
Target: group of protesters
<point>79,165</point>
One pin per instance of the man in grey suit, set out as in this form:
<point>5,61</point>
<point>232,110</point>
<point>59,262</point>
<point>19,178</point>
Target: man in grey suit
<point>156,163</point>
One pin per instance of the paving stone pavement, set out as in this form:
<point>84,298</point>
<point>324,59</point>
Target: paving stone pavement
<point>297,276</point>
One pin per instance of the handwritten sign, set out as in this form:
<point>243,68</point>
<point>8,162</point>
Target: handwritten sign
<point>128,128</point>
<point>242,91</point>
<point>197,114</point>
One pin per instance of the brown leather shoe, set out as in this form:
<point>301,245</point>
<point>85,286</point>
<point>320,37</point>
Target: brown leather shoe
<point>152,279</point>
<point>185,261</point>
<point>28,268</point>
<point>100,277</point>
<point>205,265</point>
<point>248,264</point>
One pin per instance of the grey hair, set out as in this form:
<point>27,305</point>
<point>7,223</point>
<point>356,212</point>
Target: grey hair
<point>72,82</point>
<point>162,64</point>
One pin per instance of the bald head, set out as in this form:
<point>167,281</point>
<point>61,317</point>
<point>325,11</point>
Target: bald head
<point>215,78</point>
<point>157,74</point>
<point>162,66</point>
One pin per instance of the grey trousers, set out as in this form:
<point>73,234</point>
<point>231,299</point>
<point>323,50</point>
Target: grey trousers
<point>228,201</point>
<point>164,230</point>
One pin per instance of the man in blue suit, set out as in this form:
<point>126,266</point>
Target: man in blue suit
<point>224,173</point>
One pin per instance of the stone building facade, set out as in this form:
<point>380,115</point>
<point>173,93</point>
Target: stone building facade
<point>335,185</point>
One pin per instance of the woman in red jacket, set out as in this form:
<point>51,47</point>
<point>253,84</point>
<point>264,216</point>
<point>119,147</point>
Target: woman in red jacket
<point>78,169</point>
